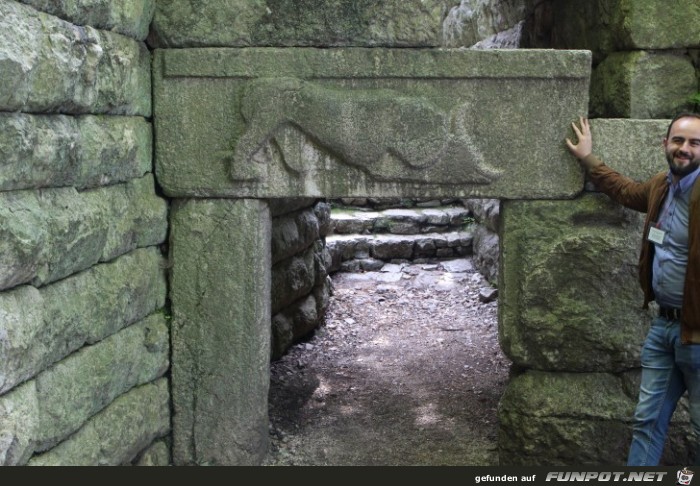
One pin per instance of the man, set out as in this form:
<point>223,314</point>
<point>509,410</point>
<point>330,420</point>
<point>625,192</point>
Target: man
<point>669,273</point>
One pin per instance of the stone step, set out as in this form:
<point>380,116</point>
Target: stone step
<point>353,253</point>
<point>399,221</point>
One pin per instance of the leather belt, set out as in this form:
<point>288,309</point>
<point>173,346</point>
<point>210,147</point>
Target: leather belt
<point>670,313</point>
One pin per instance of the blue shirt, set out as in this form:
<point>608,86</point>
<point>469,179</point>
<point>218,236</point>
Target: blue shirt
<point>671,257</point>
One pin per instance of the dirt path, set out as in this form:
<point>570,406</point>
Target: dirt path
<point>406,370</point>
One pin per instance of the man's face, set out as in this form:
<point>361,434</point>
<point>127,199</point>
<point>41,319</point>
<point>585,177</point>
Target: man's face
<point>682,146</point>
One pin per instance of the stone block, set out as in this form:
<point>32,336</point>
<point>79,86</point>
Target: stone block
<point>653,24</point>
<point>282,334</point>
<point>84,383</point>
<point>19,424</point>
<point>460,238</point>
<point>40,228</point>
<point>48,65</point>
<point>292,279</point>
<point>604,26</point>
<point>138,217</point>
<point>44,411</point>
<point>356,222</point>
<point>42,326</point>
<point>425,247</point>
<point>118,433</point>
<point>486,212</point>
<point>292,233</point>
<point>445,252</point>
<point>275,123</point>
<point>50,234</point>
<point>332,23</point>
<point>403,227</point>
<point>57,150</point>
<point>322,294</point>
<point>220,290</point>
<point>486,251</point>
<point>280,207</point>
<point>131,17</point>
<point>436,217</point>
<point>632,147</point>
<point>306,316</point>
<point>322,210</point>
<point>294,322</point>
<point>322,260</point>
<point>558,419</point>
<point>359,247</point>
<point>641,84</point>
<point>352,266</point>
<point>568,269</point>
<point>440,240</point>
<point>391,246</point>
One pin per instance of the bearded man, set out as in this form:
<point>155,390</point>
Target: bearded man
<point>669,273</point>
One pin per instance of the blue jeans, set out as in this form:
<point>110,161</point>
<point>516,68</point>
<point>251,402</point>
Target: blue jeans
<point>669,368</point>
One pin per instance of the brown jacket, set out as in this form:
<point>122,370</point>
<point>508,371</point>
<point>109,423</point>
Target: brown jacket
<point>647,197</point>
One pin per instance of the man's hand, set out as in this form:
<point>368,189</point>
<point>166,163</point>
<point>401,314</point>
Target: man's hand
<point>584,147</point>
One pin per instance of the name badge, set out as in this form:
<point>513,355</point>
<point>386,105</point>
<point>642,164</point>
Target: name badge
<point>656,235</point>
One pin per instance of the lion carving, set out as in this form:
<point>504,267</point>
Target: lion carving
<point>387,134</point>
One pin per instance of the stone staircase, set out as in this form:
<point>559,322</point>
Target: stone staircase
<point>365,240</point>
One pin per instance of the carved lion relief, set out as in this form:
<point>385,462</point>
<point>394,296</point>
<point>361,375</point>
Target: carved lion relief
<point>387,134</point>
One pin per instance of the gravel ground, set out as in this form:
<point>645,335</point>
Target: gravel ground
<point>405,370</point>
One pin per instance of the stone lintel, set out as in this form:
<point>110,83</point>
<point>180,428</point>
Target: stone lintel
<point>357,122</point>
<point>361,62</point>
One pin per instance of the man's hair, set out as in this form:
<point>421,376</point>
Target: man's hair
<point>686,114</point>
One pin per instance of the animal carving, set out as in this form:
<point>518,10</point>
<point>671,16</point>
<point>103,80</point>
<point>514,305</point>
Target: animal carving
<point>387,134</point>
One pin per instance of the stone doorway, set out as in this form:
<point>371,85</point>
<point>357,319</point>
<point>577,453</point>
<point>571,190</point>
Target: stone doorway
<point>407,358</point>
<point>237,127</point>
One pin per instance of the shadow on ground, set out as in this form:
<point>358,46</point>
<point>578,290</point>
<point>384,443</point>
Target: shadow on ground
<point>405,370</point>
